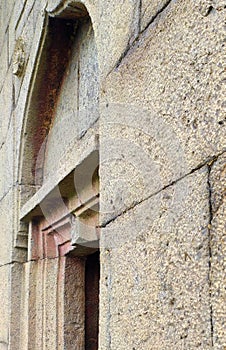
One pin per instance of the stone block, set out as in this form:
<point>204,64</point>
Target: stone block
<point>6,161</point>
<point>5,306</point>
<point>64,131</point>
<point>154,282</point>
<point>27,9</point>
<point>88,87</point>
<point>117,25</point>
<point>6,224</point>
<point>3,60</point>
<point>162,110</point>
<point>150,9</point>
<point>218,251</point>
<point>6,96</point>
<point>16,297</point>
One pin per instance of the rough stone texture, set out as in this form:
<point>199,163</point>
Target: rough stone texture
<point>5,306</point>
<point>88,93</point>
<point>218,251</point>
<point>154,283</point>
<point>162,114</point>
<point>164,106</point>
<point>6,224</point>
<point>117,26</point>
<point>150,9</point>
<point>17,278</point>
<point>77,108</point>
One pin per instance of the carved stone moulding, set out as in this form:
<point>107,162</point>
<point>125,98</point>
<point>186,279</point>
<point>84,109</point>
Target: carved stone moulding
<point>67,9</point>
<point>65,219</point>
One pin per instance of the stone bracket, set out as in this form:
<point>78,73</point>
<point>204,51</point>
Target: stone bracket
<point>65,218</point>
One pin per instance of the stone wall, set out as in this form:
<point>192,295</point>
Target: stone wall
<point>151,77</point>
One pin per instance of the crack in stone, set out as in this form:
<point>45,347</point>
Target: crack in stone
<point>140,15</point>
<point>29,261</point>
<point>6,193</point>
<point>158,13</point>
<point>12,263</point>
<point>132,45</point>
<point>208,161</point>
<point>109,290</point>
<point>209,167</point>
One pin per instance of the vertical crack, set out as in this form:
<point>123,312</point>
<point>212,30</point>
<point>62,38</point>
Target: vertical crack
<point>109,287</point>
<point>140,16</point>
<point>209,167</point>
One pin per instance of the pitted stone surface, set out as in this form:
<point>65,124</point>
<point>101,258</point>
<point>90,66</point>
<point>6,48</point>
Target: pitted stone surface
<point>5,306</point>
<point>154,284</point>
<point>169,88</point>
<point>150,9</point>
<point>218,250</point>
<point>6,224</point>
<point>162,116</point>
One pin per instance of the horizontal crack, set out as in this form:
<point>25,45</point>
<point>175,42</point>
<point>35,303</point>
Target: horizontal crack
<point>11,263</point>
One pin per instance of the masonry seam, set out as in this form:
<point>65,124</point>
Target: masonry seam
<point>11,263</point>
<point>6,193</point>
<point>140,15</point>
<point>109,289</point>
<point>209,167</point>
<point>157,14</point>
<point>132,45</point>
<point>210,160</point>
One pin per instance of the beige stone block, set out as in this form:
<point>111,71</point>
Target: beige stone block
<point>5,305</point>
<point>5,14</point>
<point>50,304</point>
<point>6,161</point>
<point>6,224</point>
<point>218,251</point>
<point>3,60</point>
<point>150,9</point>
<point>117,25</point>
<point>88,93</point>
<point>154,280</point>
<point>6,96</point>
<point>16,296</point>
<point>162,110</point>
<point>64,131</point>
<point>17,11</point>
<point>28,6</point>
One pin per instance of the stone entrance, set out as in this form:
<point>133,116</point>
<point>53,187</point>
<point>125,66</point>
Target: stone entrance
<point>60,197</point>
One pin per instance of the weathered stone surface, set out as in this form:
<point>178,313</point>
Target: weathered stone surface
<point>3,61</point>
<point>16,290</point>
<point>164,103</point>
<point>5,305</point>
<point>6,96</point>
<point>150,9</point>
<point>117,26</point>
<point>163,113</point>
<point>154,283</point>
<point>77,108</point>
<point>6,161</point>
<point>88,88</point>
<point>218,250</point>
<point>6,223</point>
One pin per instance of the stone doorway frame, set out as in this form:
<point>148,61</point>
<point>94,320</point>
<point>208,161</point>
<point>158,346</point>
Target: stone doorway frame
<point>62,217</point>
